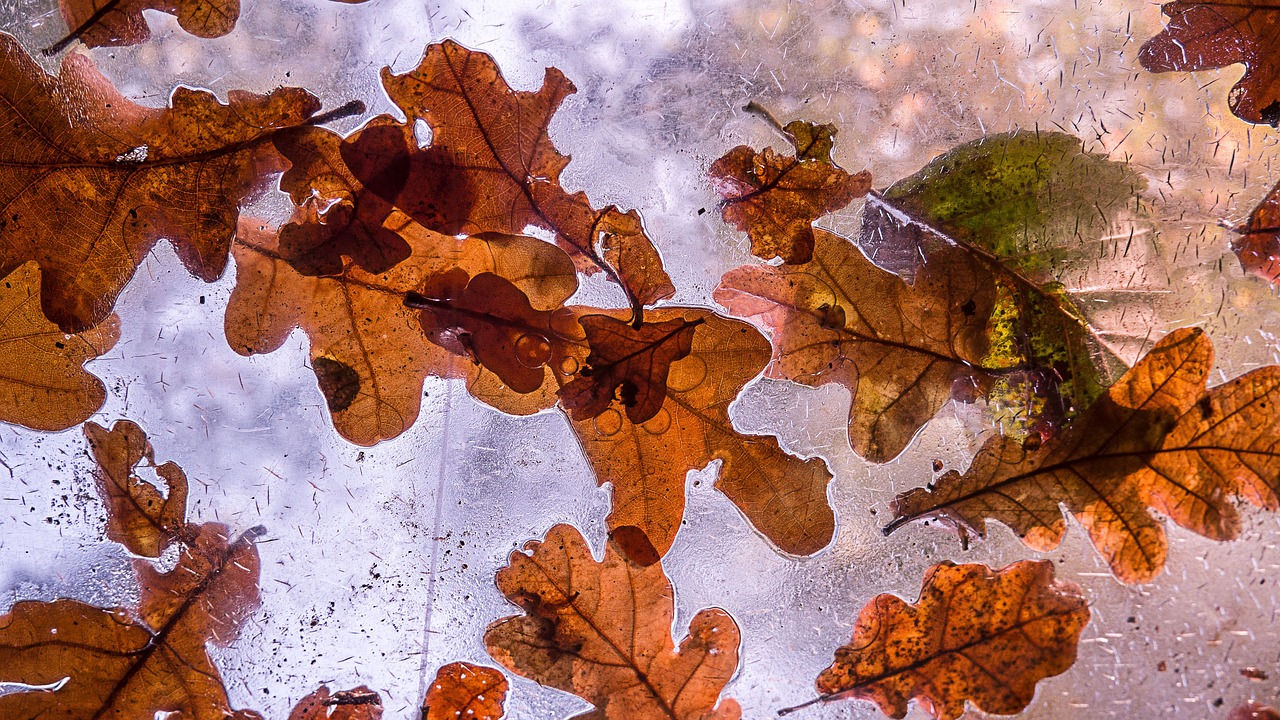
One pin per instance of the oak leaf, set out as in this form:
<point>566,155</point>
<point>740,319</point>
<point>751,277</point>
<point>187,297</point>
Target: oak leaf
<point>634,362</point>
<point>491,167</point>
<point>775,199</point>
<point>1206,35</point>
<point>350,224</point>
<point>1258,247</point>
<point>783,496</point>
<point>974,635</point>
<point>903,350</point>
<point>139,516</point>
<point>89,181</point>
<point>368,349</point>
<point>43,384</point>
<point>359,703</point>
<point>463,690</point>
<point>1157,439</point>
<point>602,631</point>
<point>113,663</point>
<point>489,319</point>
<point>1029,208</point>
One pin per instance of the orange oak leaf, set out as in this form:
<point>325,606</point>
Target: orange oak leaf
<point>1258,246</point>
<point>602,631</point>
<point>784,497</point>
<point>89,181</point>
<point>43,384</point>
<point>974,635</point>
<point>903,350</point>
<point>491,167</point>
<point>1211,34</point>
<point>89,662</point>
<point>462,691</point>
<point>351,226</point>
<point>368,349</point>
<point>357,704</point>
<point>139,516</point>
<point>633,361</point>
<point>775,199</point>
<point>488,319</point>
<point>1157,439</point>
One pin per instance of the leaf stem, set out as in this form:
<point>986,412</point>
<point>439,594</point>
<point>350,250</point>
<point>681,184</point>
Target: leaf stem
<point>803,705</point>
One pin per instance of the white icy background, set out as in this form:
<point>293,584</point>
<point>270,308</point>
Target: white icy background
<point>379,564</point>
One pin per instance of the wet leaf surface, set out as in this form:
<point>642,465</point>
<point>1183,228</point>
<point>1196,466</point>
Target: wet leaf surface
<point>975,635</point>
<point>1258,244</point>
<point>1156,441</point>
<point>1211,34</point>
<point>602,631</point>
<point>89,181</point>
<point>142,517</point>
<point>43,384</point>
<point>359,703</point>
<point>463,690</point>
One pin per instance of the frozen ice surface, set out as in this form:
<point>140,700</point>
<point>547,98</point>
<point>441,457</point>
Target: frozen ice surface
<point>379,563</point>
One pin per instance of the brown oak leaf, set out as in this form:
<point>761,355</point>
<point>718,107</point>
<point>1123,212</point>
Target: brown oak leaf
<point>368,349</point>
<point>784,497</point>
<point>89,180</point>
<point>775,199</point>
<point>491,167</point>
<point>89,662</point>
<point>1211,34</point>
<point>463,690</point>
<point>974,635</point>
<point>352,223</point>
<point>1258,246</point>
<point>488,319</point>
<point>903,350</point>
<point>602,631</point>
<point>1157,439</point>
<point>139,516</point>
<point>43,384</point>
<point>634,362</point>
<point>356,704</point>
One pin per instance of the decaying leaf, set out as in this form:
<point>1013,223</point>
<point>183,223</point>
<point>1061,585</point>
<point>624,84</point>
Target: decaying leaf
<point>1211,34</point>
<point>775,199</point>
<point>89,181</point>
<point>602,631</point>
<point>462,691</point>
<point>1026,207</point>
<point>634,362</point>
<point>1157,439</point>
<point>488,319</point>
<point>1258,246</point>
<point>352,223</point>
<point>139,515</point>
<point>974,635</point>
<point>491,167</point>
<point>357,704</point>
<point>104,23</point>
<point>43,384</point>
<point>902,350</point>
<point>784,497</point>
<point>368,349</point>
<point>121,664</point>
